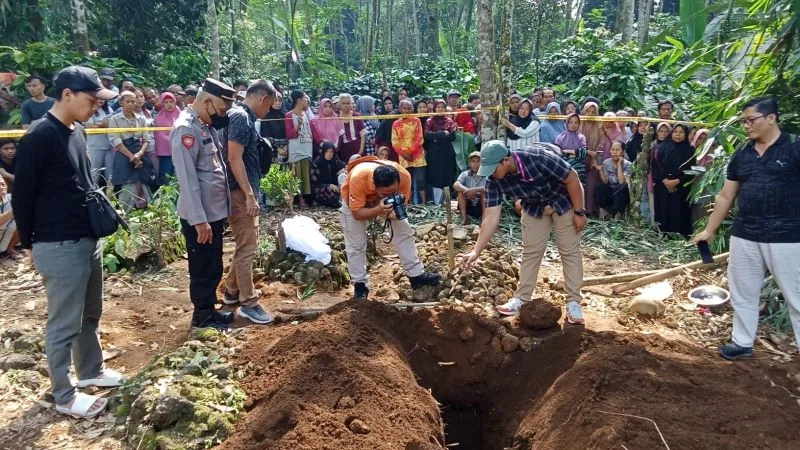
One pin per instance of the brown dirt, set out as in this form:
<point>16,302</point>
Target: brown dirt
<point>539,314</point>
<point>358,363</point>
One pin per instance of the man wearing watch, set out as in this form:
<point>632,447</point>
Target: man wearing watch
<point>552,199</point>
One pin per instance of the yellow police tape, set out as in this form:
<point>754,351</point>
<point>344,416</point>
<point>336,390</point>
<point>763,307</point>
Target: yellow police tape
<point>20,133</point>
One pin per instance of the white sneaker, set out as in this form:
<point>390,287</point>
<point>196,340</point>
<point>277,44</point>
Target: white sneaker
<point>510,308</point>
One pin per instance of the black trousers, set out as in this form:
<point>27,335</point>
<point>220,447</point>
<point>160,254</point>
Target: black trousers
<point>205,265</point>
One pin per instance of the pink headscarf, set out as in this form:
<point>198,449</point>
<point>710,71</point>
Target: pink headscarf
<point>165,119</point>
<point>704,158</point>
<point>326,128</point>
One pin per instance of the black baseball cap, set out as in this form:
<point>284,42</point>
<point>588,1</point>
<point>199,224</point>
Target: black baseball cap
<point>82,79</point>
<point>191,90</point>
<point>219,89</point>
<point>107,73</point>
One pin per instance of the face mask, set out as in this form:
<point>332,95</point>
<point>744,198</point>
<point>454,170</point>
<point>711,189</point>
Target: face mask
<point>217,121</point>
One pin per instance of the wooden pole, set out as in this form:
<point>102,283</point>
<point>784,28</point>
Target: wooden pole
<point>668,273</point>
<point>451,251</point>
<point>617,278</point>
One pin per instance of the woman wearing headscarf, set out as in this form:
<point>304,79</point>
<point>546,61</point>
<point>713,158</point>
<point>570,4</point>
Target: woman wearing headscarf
<point>325,177</point>
<point>611,132</point>
<point>272,128</point>
<point>593,132</point>
<point>354,137</point>
<point>573,146</point>
<point>298,132</point>
<point>326,126</point>
<point>513,104</point>
<point>165,118</point>
<point>421,107</point>
<point>388,105</point>
<point>365,106</point>
<point>440,132</point>
<point>570,107</point>
<point>551,128</point>
<point>407,140</point>
<point>383,137</point>
<point>670,193</point>
<point>634,145</point>
<point>700,209</point>
<point>523,129</point>
<point>650,139</point>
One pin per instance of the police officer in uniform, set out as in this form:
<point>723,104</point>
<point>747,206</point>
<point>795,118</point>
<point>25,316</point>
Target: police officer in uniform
<point>204,200</point>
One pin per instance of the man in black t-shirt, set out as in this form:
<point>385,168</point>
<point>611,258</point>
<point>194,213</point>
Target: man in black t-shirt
<point>49,201</point>
<point>34,108</point>
<point>765,178</point>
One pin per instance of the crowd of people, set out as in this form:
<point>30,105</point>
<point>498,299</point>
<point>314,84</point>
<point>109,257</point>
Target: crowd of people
<point>556,172</point>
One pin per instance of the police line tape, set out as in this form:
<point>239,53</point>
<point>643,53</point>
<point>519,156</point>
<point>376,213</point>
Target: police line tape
<point>91,131</point>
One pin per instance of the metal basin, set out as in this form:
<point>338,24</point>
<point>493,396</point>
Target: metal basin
<point>709,295</point>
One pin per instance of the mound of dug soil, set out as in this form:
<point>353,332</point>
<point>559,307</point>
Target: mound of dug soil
<point>369,376</point>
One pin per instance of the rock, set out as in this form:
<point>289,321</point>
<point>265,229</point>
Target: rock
<point>19,361</point>
<point>423,294</point>
<point>509,343</point>
<point>539,314</point>
<point>345,402</point>
<point>500,299</point>
<point>222,371</point>
<point>497,344</point>
<point>12,333</point>
<point>28,343</point>
<point>671,322</point>
<point>382,292</point>
<point>168,410</point>
<point>312,274</point>
<point>466,333</point>
<point>526,344</point>
<point>460,233</point>
<point>359,427</point>
<point>646,307</point>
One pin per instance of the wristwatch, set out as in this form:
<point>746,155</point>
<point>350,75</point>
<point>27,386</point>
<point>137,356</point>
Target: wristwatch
<point>580,212</point>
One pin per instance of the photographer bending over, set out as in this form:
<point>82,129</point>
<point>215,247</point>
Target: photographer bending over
<point>369,183</point>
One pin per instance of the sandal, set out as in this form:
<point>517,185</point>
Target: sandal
<point>81,407</point>
<point>108,378</point>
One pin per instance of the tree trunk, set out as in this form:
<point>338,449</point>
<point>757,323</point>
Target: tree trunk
<point>578,15</point>
<point>417,33</point>
<point>345,44</point>
<point>537,39</point>
<point>368,36</point>
<point>625,19</point>
<point>567,18</point>
<point>468,23</point>
<point>645,8</point>
<point>432,13</point>
<point>506,83</point>
<point>213,29</point>
<point>80,32</point>
<point>488,86</point>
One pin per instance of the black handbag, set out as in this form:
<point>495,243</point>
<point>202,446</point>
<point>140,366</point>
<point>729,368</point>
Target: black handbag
<point>104,220</point>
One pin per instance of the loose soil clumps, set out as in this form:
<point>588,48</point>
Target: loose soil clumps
<point>370,376</point>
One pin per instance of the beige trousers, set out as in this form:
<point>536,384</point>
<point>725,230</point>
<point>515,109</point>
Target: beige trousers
<point>535,234</point>
<point>355,241</point>
<point>245,234</point>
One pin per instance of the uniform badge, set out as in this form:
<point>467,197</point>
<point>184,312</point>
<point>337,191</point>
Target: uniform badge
<point>204,133</point>
<point>188,141</point>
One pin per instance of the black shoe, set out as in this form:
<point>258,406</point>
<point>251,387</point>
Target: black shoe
<point>224,316</point>
<point>209,318</point>
<point>426,279</point>
<point>361,291</point>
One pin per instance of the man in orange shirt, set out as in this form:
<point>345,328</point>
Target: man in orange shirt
<point>369,181</point>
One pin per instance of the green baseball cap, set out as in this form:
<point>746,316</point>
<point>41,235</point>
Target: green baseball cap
<point>492,153</point>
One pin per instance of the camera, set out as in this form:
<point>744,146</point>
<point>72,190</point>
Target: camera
<point>398,205</point>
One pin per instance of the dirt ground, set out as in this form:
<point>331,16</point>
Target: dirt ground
<point>366,375</point>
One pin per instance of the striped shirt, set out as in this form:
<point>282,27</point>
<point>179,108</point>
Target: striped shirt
<point>372,127</point>
<point>539,182</point>
<point>527,136</point>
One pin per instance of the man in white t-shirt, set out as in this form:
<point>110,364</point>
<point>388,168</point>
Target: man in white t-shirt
<point>470,188</point>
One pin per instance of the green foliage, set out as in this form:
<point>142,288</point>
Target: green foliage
<point>280,186</point>
<point>153,230</point>
<point>573,57</point>
<point>47,58</point>
<point>694,16</point>
<point>618,78</point>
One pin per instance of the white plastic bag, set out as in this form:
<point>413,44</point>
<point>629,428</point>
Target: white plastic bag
<point>302,235</point>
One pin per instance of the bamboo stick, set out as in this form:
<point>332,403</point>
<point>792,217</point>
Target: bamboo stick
<point>668,273</point>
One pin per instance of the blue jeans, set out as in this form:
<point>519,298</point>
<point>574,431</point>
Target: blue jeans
<point>165,169</point>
